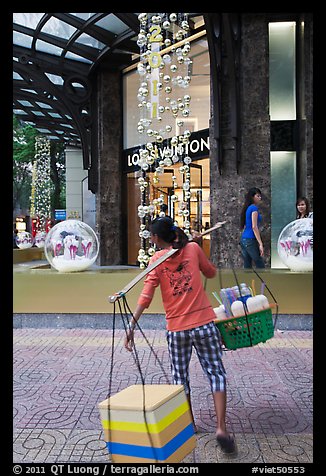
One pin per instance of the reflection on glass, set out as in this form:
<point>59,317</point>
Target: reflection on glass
<point>198,90</point>
<point>282,71</point>
<point>199,201</point>
<point>48,48</point>
<point>283,198</point>
<point>22,40</point>
<point>30,20</point>
<point>58,28</point>
<point>90,41</point>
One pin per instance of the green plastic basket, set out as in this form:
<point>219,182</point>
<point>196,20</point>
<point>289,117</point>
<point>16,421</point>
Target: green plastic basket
<point>236,333</point>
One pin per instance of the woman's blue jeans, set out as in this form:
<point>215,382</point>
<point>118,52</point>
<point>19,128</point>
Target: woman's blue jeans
<point>250,253</point>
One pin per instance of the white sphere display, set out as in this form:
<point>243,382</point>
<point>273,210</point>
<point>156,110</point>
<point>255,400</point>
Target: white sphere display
<point>24,240</point>
<point>40,239</point>
<point>295,245</point>
<point>71,245</point>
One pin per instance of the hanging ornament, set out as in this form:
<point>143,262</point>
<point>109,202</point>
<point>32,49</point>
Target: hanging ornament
<point>164,70</point>
<point>41,184</point>
<point>33,190</point>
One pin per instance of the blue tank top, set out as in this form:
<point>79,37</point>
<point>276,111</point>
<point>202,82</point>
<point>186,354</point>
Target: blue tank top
<point>248,231</point>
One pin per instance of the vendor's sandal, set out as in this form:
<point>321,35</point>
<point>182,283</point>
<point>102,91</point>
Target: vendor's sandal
<point>227,444</point>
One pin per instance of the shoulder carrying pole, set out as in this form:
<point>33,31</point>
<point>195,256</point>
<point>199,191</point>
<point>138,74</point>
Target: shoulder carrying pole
<point>156,263</point>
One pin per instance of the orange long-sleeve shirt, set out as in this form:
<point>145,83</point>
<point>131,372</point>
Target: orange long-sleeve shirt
<point>184,299</point>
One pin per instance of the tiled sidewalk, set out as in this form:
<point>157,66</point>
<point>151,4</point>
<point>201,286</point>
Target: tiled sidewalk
<point>60,375</point>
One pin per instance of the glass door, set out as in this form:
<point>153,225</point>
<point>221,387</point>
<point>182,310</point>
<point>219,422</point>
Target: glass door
<point>171,191</point>
<point>195,201</point>
<point>167,189</point>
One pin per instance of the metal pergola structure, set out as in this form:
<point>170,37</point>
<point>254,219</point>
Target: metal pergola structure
<point>56,56</point>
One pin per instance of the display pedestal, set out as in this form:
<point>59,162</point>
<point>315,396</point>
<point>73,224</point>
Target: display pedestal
<point>29,254</point>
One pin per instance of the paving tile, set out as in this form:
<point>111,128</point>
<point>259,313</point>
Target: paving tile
<point>38,446</point>
<point>85,446</point>
<point>60,376</point>
<point>290,448</point>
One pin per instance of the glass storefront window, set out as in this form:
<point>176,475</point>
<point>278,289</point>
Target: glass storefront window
<point>282,88</point>
<point>199,201</point>
<point>282,107</point>
<point>198,90</point>
<point>283,194</point>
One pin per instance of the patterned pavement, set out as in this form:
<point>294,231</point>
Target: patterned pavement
<point>60,375</point>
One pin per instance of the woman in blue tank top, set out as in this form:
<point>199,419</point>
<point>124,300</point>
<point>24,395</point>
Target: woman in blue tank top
<point>252,248</point>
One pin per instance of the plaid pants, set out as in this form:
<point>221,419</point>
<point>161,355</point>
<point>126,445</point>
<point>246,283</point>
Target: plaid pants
<point>206,340</point>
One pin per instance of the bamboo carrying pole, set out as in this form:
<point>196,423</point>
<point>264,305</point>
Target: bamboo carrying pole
<point>154,265</point>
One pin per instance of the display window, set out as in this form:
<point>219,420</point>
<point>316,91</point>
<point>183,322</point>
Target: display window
<point>169,184</point>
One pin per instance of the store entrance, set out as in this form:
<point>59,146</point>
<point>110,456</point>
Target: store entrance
<point>166,185</point>
<point>164,188</point>
<point>197,204</point>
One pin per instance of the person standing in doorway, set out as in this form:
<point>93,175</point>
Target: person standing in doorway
<point>303,211</point>
<point>189,316</point>
<point>303,208</point>
<point>252,247</point>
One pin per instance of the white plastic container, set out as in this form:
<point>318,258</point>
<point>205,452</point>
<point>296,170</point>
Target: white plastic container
<point>253,304</point>
<point>238,309</point>
<point>257,303</point>
<point>263,301</point>
<point>220,312</point>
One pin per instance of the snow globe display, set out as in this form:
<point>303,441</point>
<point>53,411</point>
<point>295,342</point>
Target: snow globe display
<point>40,239</point>
<point>295,245</point>
<point>24,240</point>
<point>71,245</point>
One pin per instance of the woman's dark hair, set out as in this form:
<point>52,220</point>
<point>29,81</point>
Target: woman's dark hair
<point>249,200</point>
<point>303,199</point>
<point>165,229</point>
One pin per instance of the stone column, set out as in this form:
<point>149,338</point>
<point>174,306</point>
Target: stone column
<point>308,98</point>
<point>227,186</point>
<point>108,197</point>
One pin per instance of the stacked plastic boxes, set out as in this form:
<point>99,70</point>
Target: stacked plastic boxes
<point>148,424</point>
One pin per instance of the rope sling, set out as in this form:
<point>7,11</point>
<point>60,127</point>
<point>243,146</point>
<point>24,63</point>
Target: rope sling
<point>239,330</point>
